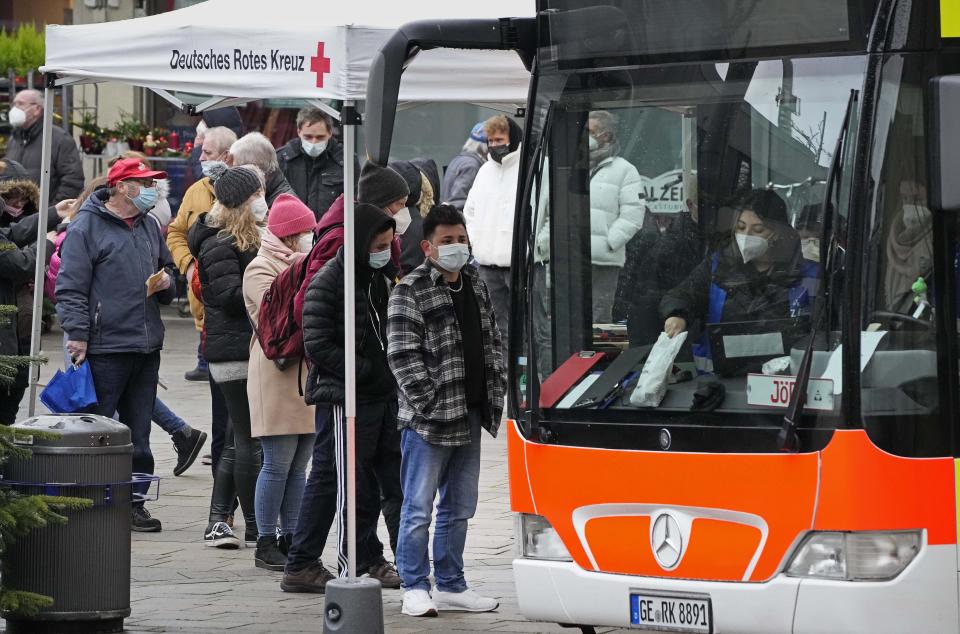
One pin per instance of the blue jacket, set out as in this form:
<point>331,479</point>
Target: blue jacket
<point>101,289</point>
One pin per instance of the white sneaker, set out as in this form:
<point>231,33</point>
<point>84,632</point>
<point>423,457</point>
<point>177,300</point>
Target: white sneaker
<point>466,601</point>
<point>418,603</point>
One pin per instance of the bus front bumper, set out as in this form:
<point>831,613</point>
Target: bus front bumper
<point>923,598</point>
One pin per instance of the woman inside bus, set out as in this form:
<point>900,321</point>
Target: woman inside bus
<point>756,275</point>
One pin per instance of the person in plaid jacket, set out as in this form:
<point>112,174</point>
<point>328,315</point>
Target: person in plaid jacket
<point>445,350</point>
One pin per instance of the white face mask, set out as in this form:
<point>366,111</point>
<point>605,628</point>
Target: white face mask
<point>915,216</point>
<point>752,247</point>
<point>811,249</point>
<point>452,257</point>
<point>313,150</point>
<point>305,243</point>
<point>594,144</point>
<point>207,166</point>
<point>403,219</point>
<point>379,259</point>
<point>259,208</point>
<point>17,117</point>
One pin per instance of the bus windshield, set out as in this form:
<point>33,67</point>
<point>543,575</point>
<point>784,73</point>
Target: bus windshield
<point>689,200</point>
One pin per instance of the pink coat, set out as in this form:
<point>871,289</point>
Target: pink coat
<point>53,269</point>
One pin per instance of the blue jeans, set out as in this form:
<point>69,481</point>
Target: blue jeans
<point>166,419</point>
<point>281,481</point>
<point>455,473</point>
<point>126,385</point>
<point>319,504</point>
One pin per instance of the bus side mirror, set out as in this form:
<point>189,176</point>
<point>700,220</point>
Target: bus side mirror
<point>943,125</point>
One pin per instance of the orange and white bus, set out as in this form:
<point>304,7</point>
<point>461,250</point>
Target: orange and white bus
<point>776,184</point>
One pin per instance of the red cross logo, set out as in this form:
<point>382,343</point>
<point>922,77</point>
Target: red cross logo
<point>320,64</point>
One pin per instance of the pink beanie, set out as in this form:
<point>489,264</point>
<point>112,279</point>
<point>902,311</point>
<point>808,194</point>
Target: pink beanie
<point>288,217</point>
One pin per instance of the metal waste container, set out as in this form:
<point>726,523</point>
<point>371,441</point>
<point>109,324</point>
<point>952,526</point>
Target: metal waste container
<point>84,564</point>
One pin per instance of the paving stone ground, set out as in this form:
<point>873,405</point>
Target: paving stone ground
<point>177,585</point>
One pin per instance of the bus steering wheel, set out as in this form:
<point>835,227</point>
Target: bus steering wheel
<point>911,323</point>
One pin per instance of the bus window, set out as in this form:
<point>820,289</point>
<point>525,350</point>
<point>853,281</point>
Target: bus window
<point>901,390</point>
<point>685,200</point>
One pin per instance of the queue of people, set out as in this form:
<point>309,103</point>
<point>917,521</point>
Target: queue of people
<point>430,358</point>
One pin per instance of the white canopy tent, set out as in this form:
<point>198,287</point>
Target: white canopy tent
<point>295,49</point>
<point>242,50</point>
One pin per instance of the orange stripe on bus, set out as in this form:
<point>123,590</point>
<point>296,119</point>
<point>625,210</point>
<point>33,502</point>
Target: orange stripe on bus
<point>865,488</point>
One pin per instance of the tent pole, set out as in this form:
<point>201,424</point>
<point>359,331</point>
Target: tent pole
<point>349,120</point>
<point>41,267</point>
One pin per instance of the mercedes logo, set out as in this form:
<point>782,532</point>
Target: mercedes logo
<point>665,439</point>
<point>666,541</point>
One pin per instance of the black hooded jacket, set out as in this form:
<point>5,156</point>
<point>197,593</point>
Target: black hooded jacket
<point>323,331</point>
<point>221,267</point>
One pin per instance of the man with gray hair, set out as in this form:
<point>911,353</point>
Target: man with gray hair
<point>24,147</point>
<point>255,149</point>
<point>462,171</point>
<point>313,161</point>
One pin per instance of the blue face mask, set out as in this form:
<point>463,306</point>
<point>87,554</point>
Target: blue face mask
<point>146,199</point>
<point>379,259</point>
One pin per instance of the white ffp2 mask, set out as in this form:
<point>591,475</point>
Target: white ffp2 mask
<point>752,247</point>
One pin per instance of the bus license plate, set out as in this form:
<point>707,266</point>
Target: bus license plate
<point>671,613</point>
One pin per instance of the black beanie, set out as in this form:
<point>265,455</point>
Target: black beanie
<point>380,186</point>
<point>235,186</point>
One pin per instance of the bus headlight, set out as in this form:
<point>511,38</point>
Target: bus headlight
<point>537,539</point>
<point>859,556</point>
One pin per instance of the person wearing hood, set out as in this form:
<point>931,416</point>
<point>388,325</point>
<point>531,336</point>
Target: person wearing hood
<point>255,149</point>
<point>386,190</point>
<point>462,170</point>
<point>378,440</point>
<point>421,177</point>
<point>116,272</point>
<point>757,274</point>
<point>313,162</point>
<point>24,147</point>
<point>17,266</point>
<point>224,242</point>
<point>489,212</point>
<point>616,210</point>
<point>278,415</point>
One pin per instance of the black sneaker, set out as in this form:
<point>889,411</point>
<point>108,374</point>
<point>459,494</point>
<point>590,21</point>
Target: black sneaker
<point>142,522</point>
<point>284,542</point>
<point>250,535</point>
<point>219,535</point>
<point>187,444</point>
<point>197,374</point>
<point>268,556</point>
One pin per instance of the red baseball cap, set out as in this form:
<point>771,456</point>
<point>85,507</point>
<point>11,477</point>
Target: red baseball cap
<point>125,169</point>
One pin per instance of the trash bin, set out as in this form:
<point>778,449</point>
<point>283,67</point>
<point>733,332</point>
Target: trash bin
<point>84,564</point>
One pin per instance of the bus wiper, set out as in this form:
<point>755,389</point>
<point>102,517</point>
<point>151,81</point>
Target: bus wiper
<point>788,440</point>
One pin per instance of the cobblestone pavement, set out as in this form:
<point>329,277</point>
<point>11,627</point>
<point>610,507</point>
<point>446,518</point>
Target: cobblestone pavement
<point>177,585</point>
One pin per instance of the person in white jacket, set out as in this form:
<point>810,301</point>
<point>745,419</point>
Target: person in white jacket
<point>616,210</point>
<point>489,213</point>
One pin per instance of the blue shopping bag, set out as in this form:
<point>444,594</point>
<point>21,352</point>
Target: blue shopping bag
<point>70,392</point>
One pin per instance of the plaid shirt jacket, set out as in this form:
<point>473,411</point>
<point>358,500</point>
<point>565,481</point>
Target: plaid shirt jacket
<point>425,352</point>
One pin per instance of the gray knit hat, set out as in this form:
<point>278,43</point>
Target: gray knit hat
<point>235,186</point>
<point>380,186</point>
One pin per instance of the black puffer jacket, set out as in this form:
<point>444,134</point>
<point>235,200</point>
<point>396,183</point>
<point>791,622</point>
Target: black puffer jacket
<point>656,264</point>
<point>750,294</point>
<point>316,181</point>
<point>323,322</point>
<point>221,267</point>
